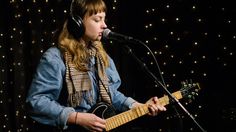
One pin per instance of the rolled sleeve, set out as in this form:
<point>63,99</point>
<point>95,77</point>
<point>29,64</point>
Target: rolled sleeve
<point>64,117</point>
<point>128,103</point>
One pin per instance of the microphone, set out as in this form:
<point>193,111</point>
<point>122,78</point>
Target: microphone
<point>108,34</point>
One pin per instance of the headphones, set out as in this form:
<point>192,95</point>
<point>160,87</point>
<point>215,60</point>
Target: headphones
<point>75,24</point>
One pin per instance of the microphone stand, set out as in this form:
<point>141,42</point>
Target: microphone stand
<point>144,67</point>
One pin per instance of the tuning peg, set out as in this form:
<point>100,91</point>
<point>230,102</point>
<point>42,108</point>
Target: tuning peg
<point>189,85</point>
<point>196,90</point>
<point>189,96</point>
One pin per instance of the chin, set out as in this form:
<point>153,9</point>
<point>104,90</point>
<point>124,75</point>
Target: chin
<point>98,38</point>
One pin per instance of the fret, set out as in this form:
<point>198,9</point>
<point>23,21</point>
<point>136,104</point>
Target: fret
<point>138,111</point>
<point>108,126</point>
<point>114,122</point>
<point>124,118</point>
<point>164,100</point>
<point>119,121</point>
<point>129,116</point>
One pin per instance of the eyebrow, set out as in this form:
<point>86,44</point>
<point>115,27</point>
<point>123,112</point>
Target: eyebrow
<point>99,16</point>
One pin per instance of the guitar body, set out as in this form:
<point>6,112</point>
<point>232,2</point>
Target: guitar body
<point>103,110</point>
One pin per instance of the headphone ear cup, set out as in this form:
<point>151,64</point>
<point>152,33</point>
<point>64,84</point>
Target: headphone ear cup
<point>75,26</point>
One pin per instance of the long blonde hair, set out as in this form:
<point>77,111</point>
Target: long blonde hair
<point>78,50</point>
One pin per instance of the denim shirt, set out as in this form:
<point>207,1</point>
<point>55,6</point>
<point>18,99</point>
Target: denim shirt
<point>47,101</point>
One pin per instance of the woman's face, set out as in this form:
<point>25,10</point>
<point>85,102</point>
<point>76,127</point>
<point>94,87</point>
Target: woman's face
<point>94,26</point>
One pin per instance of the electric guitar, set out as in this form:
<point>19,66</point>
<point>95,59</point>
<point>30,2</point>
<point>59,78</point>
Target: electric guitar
<point>107,112</point>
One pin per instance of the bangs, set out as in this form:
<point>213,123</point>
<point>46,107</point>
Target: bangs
<point>95,6</point>
<point>88,7</point>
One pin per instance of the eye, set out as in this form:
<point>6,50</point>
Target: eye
<point>97,19</point>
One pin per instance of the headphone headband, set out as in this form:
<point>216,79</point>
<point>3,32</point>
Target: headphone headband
<point>75,23</point>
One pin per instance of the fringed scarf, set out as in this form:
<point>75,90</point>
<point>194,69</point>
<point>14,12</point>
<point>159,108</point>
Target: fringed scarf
<point>79,82</point>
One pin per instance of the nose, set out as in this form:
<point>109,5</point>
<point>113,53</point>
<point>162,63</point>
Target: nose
<point>104,25</point>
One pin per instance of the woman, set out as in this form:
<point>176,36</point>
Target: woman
<point>78,73</point>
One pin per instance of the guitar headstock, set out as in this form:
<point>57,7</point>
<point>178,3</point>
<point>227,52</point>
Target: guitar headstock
<point>189,89</point>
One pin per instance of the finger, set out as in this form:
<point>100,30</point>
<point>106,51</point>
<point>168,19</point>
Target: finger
<point>100,120</point>
<point>152,110</point>
<point>161,108</point>
<point>155,99</point>
<point>99,125</point>
<point>97,129</point>
<point>154,106</point>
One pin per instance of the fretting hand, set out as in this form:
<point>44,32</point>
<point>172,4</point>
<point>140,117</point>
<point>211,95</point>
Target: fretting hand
<point>154,106</point>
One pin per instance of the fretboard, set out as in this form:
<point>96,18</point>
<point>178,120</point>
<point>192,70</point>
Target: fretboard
<point>125,117</point>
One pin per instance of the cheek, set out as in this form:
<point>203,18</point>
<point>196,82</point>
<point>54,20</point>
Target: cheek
<point>90,28</point>
<point>90,32</point>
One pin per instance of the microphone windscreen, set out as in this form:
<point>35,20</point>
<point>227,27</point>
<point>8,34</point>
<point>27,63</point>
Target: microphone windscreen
<point>106,33</point>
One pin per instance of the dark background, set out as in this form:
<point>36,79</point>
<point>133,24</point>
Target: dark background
<point>190,39</point>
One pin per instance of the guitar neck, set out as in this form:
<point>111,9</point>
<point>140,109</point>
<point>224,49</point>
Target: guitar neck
<point>125,117</point>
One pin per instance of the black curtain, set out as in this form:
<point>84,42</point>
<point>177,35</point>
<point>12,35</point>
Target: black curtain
<point>190,39</point>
